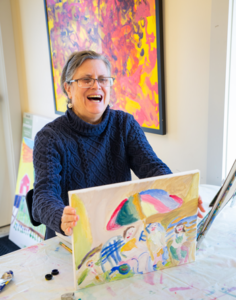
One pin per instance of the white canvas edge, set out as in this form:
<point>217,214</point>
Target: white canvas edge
<point>108,186</point>
<point>125,183</point>
<point>73,257</point>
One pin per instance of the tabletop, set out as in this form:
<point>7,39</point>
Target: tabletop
<point>211,276</point>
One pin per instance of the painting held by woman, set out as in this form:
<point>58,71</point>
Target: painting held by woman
<point>147,231</point>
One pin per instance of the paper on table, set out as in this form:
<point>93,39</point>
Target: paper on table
<point>65,238</point>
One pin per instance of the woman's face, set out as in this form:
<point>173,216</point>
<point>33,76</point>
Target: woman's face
<point>180,228</point>
<point>129,233</point>
<point>90,264</point>
<point>153,227</point>
<point>85,106</point>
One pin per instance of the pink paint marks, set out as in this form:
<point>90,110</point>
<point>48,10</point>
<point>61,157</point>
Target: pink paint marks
<point>24,185</point>
<point>161,278</point>
<point>111,291</point>
<point>153,88</point>
<point>177,199</point>
<point>143,11</point>
<point>180,289</point>
<point>159,206</point>
<point>148,278</point>
<point>111,225</point>
<point>33,249</point>
<point>51,2</point>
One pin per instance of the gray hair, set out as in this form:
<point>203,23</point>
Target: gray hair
<point>75,60</point>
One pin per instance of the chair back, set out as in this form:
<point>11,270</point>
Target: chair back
<point>29,202</point>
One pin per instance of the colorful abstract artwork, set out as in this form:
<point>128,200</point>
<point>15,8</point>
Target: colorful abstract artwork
<point>22,232</point>
<point>129,33</point>
<point>134,227</point>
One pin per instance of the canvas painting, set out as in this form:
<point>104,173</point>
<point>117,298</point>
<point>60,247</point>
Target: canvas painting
<point>134,228</point>
<point>129,33</point>
<point>22,232</point>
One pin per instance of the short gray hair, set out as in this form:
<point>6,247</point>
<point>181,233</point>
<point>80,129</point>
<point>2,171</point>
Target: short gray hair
<point>75,60</point>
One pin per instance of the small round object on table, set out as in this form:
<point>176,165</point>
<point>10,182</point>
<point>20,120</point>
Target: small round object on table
<point>68,296</point>
<point>55,272</point>
<point>48,276</point>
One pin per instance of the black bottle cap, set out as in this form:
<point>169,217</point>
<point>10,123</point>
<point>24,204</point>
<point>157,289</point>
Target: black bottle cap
<point>48,276</point>
<point>55,272</point>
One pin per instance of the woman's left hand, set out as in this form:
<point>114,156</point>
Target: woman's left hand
<point>200,206</point>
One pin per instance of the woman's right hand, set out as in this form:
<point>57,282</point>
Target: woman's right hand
<point>68,220</point>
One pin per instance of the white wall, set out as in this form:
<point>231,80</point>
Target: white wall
<point>10,115</point>
<point>33,65</point>
<point>187,50</point>
<point>189,65</point>
<point>217,78</point>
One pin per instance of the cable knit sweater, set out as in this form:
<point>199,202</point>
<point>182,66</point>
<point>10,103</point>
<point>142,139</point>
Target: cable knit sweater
<point>71,154</point>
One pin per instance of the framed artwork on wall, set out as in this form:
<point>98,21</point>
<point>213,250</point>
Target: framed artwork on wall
<point>130,35</point>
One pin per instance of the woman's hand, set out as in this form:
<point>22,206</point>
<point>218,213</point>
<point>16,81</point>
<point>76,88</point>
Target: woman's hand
<point>69,220</point>
<point>200,206</point>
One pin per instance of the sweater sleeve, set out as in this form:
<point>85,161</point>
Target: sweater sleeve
<point>47,203</point>
<point>143,160</point>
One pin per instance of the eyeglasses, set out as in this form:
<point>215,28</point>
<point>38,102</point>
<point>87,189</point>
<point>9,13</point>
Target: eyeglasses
<point>88,82</point>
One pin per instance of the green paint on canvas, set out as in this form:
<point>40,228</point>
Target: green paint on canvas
<point>83,276</point>
<point>128,213</point>
<point>119,276</point>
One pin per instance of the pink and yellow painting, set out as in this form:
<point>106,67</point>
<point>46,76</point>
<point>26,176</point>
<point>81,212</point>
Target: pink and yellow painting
<point>133,228</point>
<point>129,34</point>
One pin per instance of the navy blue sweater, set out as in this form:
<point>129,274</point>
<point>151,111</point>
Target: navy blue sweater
<point>71,154</point>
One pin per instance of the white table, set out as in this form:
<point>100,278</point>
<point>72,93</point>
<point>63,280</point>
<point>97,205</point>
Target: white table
<point>211,276</point>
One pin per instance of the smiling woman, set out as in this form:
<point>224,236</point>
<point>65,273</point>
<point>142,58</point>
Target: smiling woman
<point>89,103</point>
<point>86,82</point>
<point>91,145</point>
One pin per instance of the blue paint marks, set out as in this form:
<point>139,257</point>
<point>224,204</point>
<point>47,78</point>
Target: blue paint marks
<point>187,220</point>
<point>122,269</point>
<point>17,200</point>
<point>163,196</point>
<point>29,143</point>
<point>110,252</point>
<point>227,291</point>
<point>142,237</point>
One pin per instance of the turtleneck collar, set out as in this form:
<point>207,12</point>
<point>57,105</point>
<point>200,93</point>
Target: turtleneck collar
<point>85,128</point>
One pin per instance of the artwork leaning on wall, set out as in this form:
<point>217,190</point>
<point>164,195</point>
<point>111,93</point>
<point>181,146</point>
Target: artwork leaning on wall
<point>134,227</point>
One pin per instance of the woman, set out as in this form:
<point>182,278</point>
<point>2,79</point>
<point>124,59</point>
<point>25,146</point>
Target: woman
<point>177,250</point>
<point>90,145</point>
<point>157,242</point>
<point>134,253</point>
